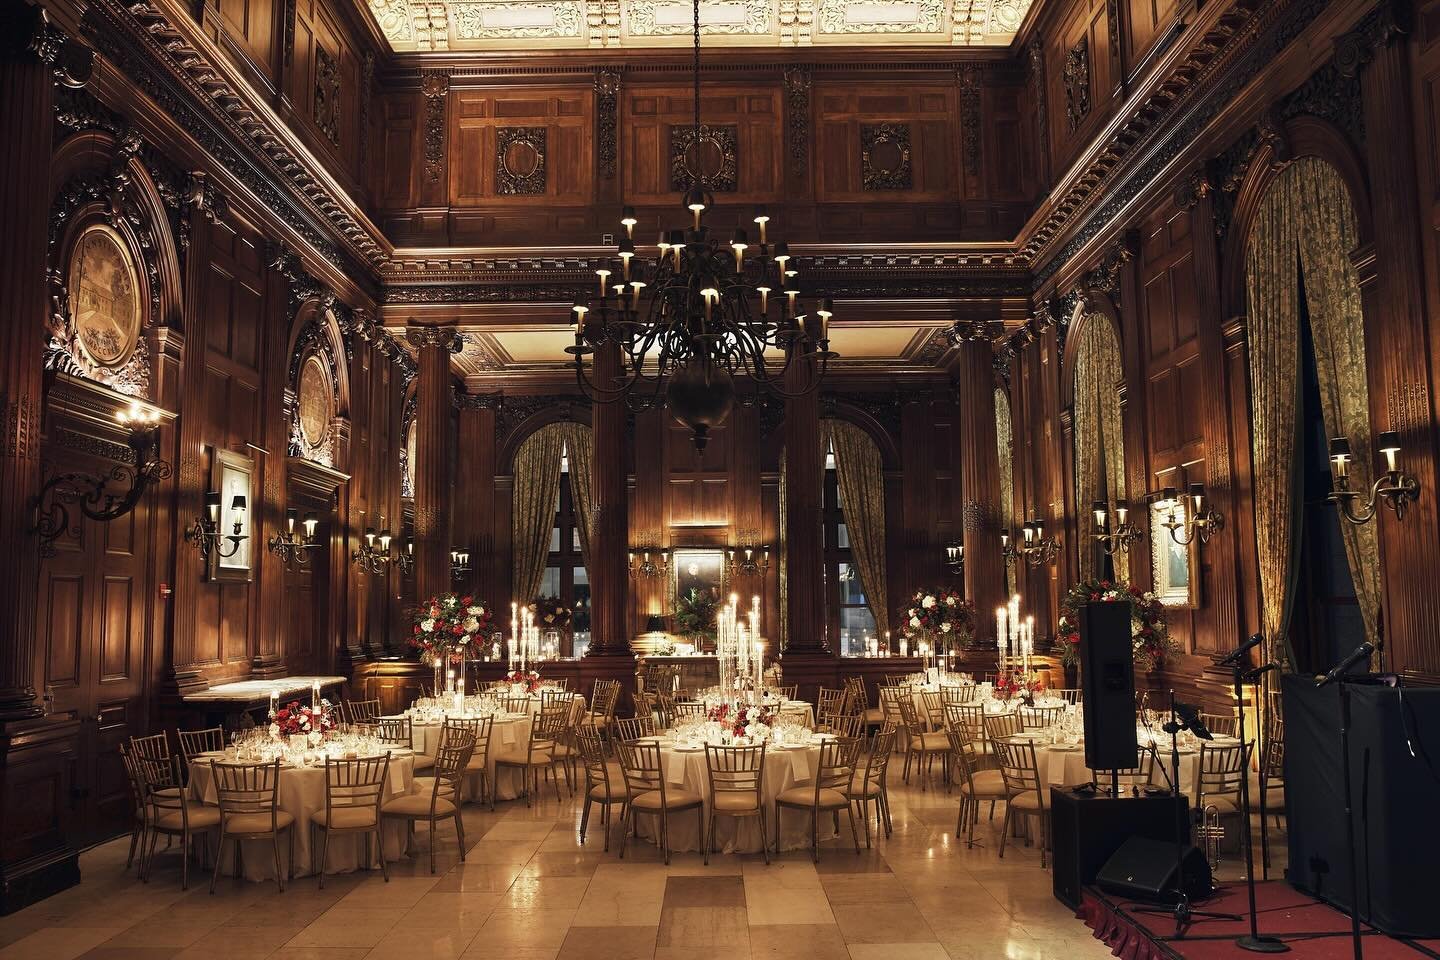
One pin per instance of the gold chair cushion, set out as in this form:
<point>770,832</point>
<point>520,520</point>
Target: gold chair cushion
<point>346,818</point>
<point>561,750</point>
<point>417,805</point>
<point>618,792</point>
<point>805,797</point>
<point>650,800</point>
<point>858,789</point>
<point>988,783</point>
<point>423,762</point>
<point>734,801</point>
<point>874,715</point>
<point>1030,800</point>
<point>1227,805</point>
<point>203,816</point>
<point>939,742</point>
<point>256,822</point>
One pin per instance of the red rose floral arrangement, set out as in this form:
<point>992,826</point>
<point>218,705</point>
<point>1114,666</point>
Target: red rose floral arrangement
<point>941,617</point>
<point>296,720</point>
<point>743,719</point>
<point>1026,686</point>
<point>1149,638</point>
<point>448,628</point>
<point>528,679</point>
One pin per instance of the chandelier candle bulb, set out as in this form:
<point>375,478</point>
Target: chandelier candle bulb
<point>761,219</point>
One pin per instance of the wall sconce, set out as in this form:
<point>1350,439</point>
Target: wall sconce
<point>1034,548</point>
<point>370,557</point>
<point>1124,533</point>
<point>1199,520</point>
<point>649,563</point>
<point>91,493</point>
<point>1395,489</point>
<point>748,560</point>
<point>459,564</point>
<point>205,531</point>
<point>405,559</point>
<point>955,558</point>
<point>290,545</point>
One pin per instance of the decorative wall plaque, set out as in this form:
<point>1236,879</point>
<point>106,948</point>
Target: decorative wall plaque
<point>314,403</point>
<point>885,156</point>
<point>710,158</point>
<point>327,94</point>
<point>520,160</point>
<point>105,300</point>
<point>1077,83</point>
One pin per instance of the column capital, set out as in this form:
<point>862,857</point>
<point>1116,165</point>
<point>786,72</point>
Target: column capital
<point>434,337</point>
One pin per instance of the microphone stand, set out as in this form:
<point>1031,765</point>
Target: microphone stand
<point>1252,941</point>
<point>1344,693</point>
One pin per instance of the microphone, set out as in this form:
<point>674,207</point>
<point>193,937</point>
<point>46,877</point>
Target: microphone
<point>1361,652</point>
<point>1258,672</point>
<point>1234,656</point>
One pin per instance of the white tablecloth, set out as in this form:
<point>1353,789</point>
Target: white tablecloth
<point>302,792</point>
<point>784,768</point>
<point>1061,765</point>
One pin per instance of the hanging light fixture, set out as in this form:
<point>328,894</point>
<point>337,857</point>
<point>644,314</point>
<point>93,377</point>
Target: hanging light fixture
<point>697,316</point>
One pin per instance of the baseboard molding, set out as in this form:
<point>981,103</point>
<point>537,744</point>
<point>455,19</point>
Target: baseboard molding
<point>31,880</point>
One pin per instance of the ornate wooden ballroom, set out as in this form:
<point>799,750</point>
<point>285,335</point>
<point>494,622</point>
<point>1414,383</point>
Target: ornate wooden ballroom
<point>291,345</point>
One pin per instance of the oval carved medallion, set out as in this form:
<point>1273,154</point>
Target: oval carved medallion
<point>104,296</point>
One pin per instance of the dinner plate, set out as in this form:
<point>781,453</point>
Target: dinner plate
<point>687,749</point>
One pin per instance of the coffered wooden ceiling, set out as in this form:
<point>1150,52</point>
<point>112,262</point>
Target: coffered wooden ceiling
<point>558,25</point>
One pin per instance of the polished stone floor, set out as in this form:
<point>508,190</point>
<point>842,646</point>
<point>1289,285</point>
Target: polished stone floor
<point>530,891</point>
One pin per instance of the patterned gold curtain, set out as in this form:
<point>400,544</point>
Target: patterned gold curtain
<point>1099,433</point>
<point>1272,287</point>
<point>579,450</point>
<point>536,498</point>
<point>861,478</point>
<point>1005,444</point>
<point>1337,326</point>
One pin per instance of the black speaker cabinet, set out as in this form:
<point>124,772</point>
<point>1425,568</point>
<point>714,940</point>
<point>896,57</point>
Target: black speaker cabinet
<point>1107,669</point>
<point>1087,829</point>
<point>1145,869</point>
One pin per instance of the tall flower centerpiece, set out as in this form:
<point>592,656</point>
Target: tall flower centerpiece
<point>740,720</point>
<point>312,721</point>
<point>941,619</point>
<point>1149,638</point>
<point>552,618</point>
<point>447,632</point>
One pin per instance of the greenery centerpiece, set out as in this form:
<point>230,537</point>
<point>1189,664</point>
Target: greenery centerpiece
<point>695,612</point>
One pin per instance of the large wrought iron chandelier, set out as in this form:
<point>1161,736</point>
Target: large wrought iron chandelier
<point>699,315</point>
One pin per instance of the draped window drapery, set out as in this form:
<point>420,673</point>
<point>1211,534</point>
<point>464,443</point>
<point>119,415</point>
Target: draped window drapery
<point>1305,222</point>
<point>1099,434</point>
<point>1005,447</point>
<point>537,497</point>
<point>860,475</point>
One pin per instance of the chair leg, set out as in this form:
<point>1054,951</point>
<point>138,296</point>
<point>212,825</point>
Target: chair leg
<point>1005,830</point>
<point>584,815</point>
<point>854,831</point>
<point>185,860</point>
<point>134,842</point>
<point>865,816</point>
<point>380,848</point>
<point>219,855</point>
<point>279,873</point>
<point>460,834</point>
<point>625,821</point>
<point>815,835</point>
<point>324,856</point>
<point>764,837</point>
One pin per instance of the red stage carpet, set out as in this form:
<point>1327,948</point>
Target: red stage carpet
<point>1313,930</point>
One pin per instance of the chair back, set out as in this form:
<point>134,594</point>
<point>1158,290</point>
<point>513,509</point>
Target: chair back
<point>633,728</point>
<point>836,766</point>
<point>1001,726</point>
<point>135,779</point>
<point>551,697</point>
<point>830,704</point>
<point>910,718</point>
<point>1038,718</point>
<point>450,762</point>
<point>603,698</point>
<point>640,763</point>
<point>934,703</point>
<point>592,755</point>
<point>1273,765</point>
<point>1018,767</point>
<point>476,730</point>
<point>164,784</point>
<point>520,704</point>
<point>559,683</point>
<point>155,747</point>
<point>847,726</point>
<point>791,692</point>
<point>971,716</point>
<point>877,762</point>
<point>357,783</point>
<point>1221,724</point>
<point>195,742</point>
<point>957,693</point>
<point>247,788</point>
<point>1221,769</point>
<point>1071,695</point>
<point>681,711</point>
<point>549,728</point>
<point>645,704</point>
<point>1138,776</point>
<point>362,711</point>
<point>394,732</point>
<point>965,747</point>
<point>665,705</point>
<point>859,696</point>
<point>735,771</point>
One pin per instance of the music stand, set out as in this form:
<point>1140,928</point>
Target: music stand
<point>1184,716</point>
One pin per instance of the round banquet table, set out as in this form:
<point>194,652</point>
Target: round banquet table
<point>686,769</point>
<point>1064,765</point>
<point>301,793</point>
<point>509,740</point>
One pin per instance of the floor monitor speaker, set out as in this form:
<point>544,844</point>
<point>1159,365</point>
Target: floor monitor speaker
<point>1087,827</point>
<point>1145,869</point>
<point>1107,671</point>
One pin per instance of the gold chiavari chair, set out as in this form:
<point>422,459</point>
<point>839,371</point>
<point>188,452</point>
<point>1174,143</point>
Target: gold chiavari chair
<point>890,697</point>
<point>688,709</point>
<point>362,711</point>
<point>249,796</point>
<point>604,784</point>
<point>860,701</point>
<point>830,704</point>
<point>645,705</point>
<point>736,778</point>
<point>477,732</point>
<point>1221,724</point>
<point>520,704</point>
<point>354,789</point>
<point>868,785</point>
<point>957,693</point>
<point>977,784</point>
<point>1220,771</point>
<point>826,795</point>
<point>171,813</point>
<point>665,706</point>
<point>559,683</point>
<point>546,731</point>
<point>1038,718</point>
<point>394,732</point>
<point>1003,726</point>
<point>791,692</point>
<point>633,728</point>
<point>1025,794</point>
<point>195,742</point>
<point>649,794</point>
<point>154,747</point>
<point>849,726</point>
<point>897,679</point>
<point>921,745</point>
<point>134,777</point>
<point>600,717</point>
<point>971,716</point>
<point>934,704</point>
<point>1136,778</point>
<point>441,801</point>
<point>1272,769</point>
<point>1070,695</point>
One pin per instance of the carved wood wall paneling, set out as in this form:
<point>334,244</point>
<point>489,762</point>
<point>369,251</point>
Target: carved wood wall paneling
<point>327,94</point>
<point>1077,84</point>
<point>434,444</point>
<point>520,155</point>
<point>541,143</point>
<point>968,78</point>
<point>435,88</point>
<point>798,81</point>
<point>271,604</point>
<point>1039,103</point>
<point>885,156</point>
<point>913,125</point>
<point>607,134</point>
<point>711,157</point>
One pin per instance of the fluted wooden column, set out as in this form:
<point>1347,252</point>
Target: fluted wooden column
<point>804,536</point>
<point>609,576</point>
<point>475,494</point>
<point>980,482</point>
<point>26,118</point>
<point>434,393</point>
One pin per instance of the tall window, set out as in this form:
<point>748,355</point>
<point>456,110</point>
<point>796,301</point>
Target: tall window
<point>849,616</point>
<point>565,574</point>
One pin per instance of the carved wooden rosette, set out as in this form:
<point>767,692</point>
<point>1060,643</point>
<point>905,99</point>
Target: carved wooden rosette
<point>885,156</point>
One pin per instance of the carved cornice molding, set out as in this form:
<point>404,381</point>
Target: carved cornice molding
<point>479,401</point>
